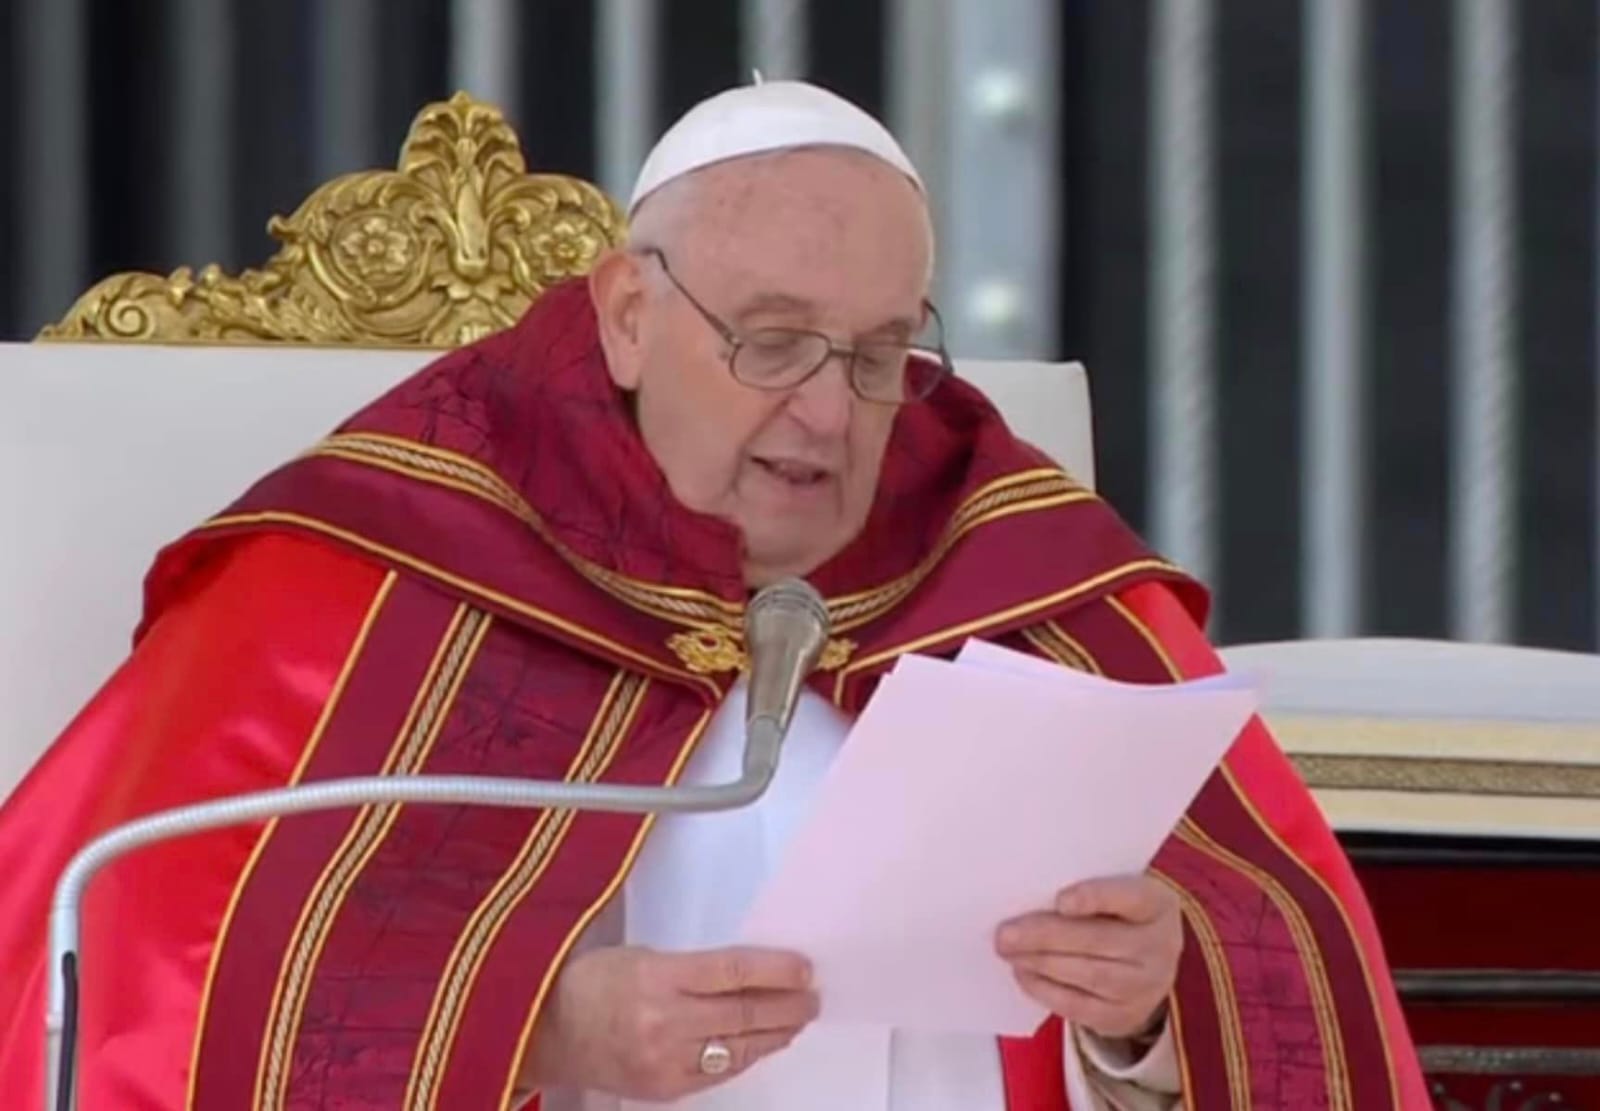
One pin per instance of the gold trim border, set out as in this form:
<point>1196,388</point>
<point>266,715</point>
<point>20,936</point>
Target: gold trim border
<point>335,697</point>
<point>1313,960</point>
<point>1027,491</point>
<point>413,743</point>
<point>612,723</point>
<point>525,1037</point>
<point>1451,777</point>
<point>484,593</point>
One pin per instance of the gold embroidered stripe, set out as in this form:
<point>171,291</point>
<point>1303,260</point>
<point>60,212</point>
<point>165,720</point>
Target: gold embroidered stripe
<point>980,625</point>
<point>430,464</point>
<point>1305,943</point>
<point>415,740</point>
<point>1047,643</point>
<point>1026,491</point>
<point>1344,918</point>
<point>612,723</point>
<point>1046,493</point>
<point>1072,645</point>
<point>220,945</point>
<point>1234,1053</point>
<point>691,742</point>
<point>559,624</point>
<point>1056,645</point>
<point>1294,915</point>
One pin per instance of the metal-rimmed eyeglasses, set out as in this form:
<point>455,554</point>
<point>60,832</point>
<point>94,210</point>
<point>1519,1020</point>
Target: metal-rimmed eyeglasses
<point>780,358</point>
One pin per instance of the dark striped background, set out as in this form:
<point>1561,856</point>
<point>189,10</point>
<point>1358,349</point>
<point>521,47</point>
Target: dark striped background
<point>1104,283</point>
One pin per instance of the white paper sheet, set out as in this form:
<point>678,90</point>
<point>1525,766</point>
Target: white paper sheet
<point>970,792</point>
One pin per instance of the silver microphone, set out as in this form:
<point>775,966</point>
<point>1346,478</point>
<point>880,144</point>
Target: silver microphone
<point>785,629</point>
<point>786,626</point>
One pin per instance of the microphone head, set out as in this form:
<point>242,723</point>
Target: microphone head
<point>784,600</point>
<point>785,628</point>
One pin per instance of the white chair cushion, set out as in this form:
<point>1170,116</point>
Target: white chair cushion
<point>109,451</point>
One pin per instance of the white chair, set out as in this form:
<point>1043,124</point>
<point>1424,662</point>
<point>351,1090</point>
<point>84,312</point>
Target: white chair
<point>109,450</point>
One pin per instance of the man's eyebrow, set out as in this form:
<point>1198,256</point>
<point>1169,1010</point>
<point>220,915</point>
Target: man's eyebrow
<point>900,326</point>
<point>789,303</point>
<point>775,302</point>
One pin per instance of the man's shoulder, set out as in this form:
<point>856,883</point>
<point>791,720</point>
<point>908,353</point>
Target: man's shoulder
<point>244,573</point>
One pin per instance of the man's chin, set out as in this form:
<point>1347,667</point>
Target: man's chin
<point>764,565</point>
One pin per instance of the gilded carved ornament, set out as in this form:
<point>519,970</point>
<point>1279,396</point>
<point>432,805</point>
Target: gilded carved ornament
<point>452,245</point>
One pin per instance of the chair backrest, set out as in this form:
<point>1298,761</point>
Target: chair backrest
<point>1430,737</point>
<point>158,400</point>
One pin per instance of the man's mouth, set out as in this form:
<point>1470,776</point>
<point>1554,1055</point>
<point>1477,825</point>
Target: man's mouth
<point>792,471</point>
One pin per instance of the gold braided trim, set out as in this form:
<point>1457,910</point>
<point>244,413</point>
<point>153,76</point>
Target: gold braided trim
<point>980,625</point>
<point>1073,645</point>
<point>613,720</point>
<point>1046,492</point>
<point>561,625</point>
<point>1045,641</point>
<point>1023,492</point>
<point>1305,943</point>
<point>445,468</point>
<point>1234,1054</point>
<point>1294,915</point>
<point>335,698</point>
<point>413,743</point>
<point>525,1036</point>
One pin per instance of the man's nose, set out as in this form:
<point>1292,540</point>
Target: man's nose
<point>823,402</point>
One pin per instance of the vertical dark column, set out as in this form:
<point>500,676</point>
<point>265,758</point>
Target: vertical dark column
<point>700,53</point>
<point>1258,300</point>
<point>413,66</point>
<point>272,158</point>
<point>1556,125</point>
<point>558,80</point>
<point>11,108</point>
<point>129,155</point>
<point>1410,342</point>
<point>1108,238</point>
<point>847,50</point>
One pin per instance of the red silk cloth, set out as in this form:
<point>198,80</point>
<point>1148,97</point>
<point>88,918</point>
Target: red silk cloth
<point>485,573</point>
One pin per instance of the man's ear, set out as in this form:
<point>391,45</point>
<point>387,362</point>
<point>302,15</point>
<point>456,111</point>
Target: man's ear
<point>616,287</point>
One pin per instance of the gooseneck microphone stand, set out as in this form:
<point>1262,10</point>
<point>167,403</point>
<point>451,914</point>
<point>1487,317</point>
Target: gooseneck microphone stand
<point>786,626</point>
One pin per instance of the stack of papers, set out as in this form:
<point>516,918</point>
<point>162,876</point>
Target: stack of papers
<point>969,792</point>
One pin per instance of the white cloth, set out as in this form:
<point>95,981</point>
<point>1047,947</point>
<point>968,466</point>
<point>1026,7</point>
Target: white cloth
<point>756,119</point>
<point>689,889</point>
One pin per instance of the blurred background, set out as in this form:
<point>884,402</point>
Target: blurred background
<point>1330,263</point>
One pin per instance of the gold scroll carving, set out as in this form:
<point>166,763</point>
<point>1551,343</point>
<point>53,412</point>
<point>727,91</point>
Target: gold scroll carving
<point>453,244</point>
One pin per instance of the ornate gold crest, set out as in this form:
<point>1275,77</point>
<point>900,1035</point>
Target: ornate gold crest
<point>713,649</point>
<point>453,245</point>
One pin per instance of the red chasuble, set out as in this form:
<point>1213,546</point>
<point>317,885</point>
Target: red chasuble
<point>485,573</point>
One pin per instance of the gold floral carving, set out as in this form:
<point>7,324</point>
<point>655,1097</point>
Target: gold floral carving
<point>714,649</point>
<point>454,244</point>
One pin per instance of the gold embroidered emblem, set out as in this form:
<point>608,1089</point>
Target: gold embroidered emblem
<point>713,649</point>
<point>709,650</point>
<point>835,654</point>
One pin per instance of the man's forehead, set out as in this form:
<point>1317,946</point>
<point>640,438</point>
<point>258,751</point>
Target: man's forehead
<point>808,178</point>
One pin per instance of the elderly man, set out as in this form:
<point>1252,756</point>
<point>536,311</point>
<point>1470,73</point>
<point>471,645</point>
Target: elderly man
<point>531,559</point>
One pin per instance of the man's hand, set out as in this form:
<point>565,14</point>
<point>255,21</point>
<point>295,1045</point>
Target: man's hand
<point>633,1022</point>
<point>1105,958</point>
